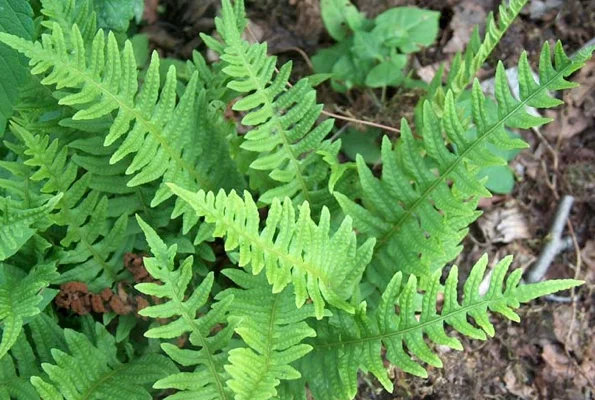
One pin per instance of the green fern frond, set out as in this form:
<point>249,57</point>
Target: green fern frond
<point>464,68</point>
<point>14,383</point>
<point>207,381</point>
<point>273,329</point>
<point>16,223</point>
<point>349,343</point>
<point>322,266</point>
<point>70,12</point>
<point>419,226</point>
<point>283,121</point>
<point>150,123</point>
<point>91,239</point>
<point>21,299</point>
<point>93,371</point>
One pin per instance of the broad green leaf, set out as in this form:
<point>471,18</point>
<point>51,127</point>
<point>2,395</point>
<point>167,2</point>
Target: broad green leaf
<point>408,28</point>
<point>500,178</point>
<point>339,16</point>
<point>365,143</point>
<point>368,46</point>
<point>115,15</point>
<point>387,73</point>
<point>16,17</point>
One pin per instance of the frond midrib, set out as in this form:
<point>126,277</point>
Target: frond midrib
<point>409,212</point>
<point>436,319</point>
<point>310,268</point>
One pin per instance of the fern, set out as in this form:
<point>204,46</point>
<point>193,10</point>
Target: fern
<point>419,226</point>
<point>207,380</point>
<point>272,327</point>
<point>282,120</point>
<point>320,266</point>
<point>92,370</point>
<point>15,372</point>
<point>26,355</point>
<point>16,225</point>
<point>82,211</point>
<point>95,140</point>
<point>20,299</point>
<point>349,343</point>
<point>100,79</point>
<point>465,67</point>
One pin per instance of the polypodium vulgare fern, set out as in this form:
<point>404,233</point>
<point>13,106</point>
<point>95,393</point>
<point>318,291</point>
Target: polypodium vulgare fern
<point>269,324</point>
<point>90,369</point>
<point>420,209</point>
<point>283,119</point>
<point>273,297</point>
<point>207,379</point>
<point>346,343</point>
<point>322,267</point>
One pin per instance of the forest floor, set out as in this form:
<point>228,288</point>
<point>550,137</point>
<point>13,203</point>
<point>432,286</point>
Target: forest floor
<point>551,354</point>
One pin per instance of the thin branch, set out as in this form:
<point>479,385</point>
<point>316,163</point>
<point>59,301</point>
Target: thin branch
<point>554,242</point>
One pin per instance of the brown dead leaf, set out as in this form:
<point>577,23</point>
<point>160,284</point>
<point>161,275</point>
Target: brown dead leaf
<point>504,224</point>
<point>467,14</point>
<point>515,379</point>
<point>559,366</point>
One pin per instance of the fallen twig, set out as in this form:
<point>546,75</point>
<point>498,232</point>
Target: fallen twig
<point>554,242</point>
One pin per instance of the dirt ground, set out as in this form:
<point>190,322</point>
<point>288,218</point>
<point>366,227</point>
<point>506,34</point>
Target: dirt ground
<point>551,354</point>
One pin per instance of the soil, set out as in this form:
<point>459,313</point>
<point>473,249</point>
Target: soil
<point>551,354</point>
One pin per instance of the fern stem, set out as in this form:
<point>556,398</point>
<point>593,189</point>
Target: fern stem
<point>381,336</point>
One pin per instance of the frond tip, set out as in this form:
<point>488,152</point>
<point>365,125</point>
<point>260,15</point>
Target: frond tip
<point>355,342</point>
<point>320,265</point>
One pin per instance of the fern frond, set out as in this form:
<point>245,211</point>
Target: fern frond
<point>16,224</point>
<point>14,384</point>
<point>349,343</point>
<point>92,370</point>
<point>322,266</point>
<point>419,226</point>
<point>151,123</point>
<point>283,121</point>
<point>70,12</point>
<point>464,68</point>
<point>207,381</point>
<point>90,240</point>
<point>20,299</point>
<point>273,329</point>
